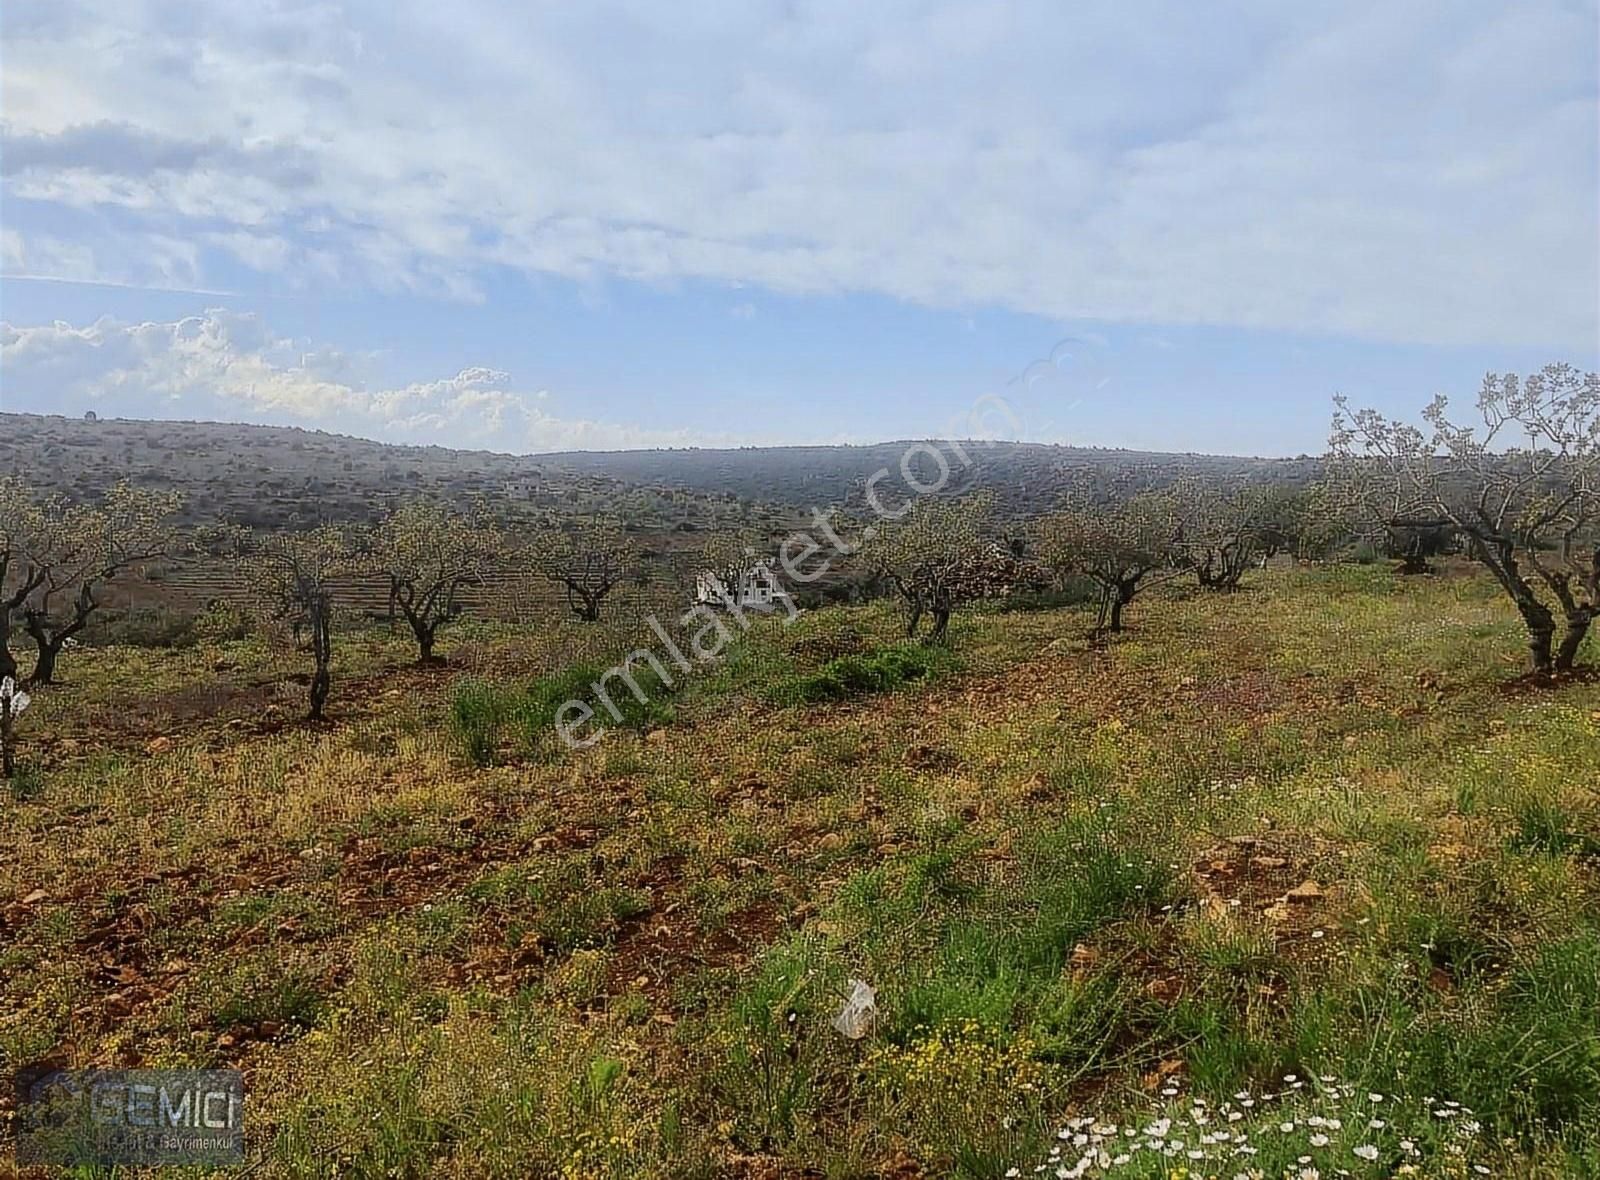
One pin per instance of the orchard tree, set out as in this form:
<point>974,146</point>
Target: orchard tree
<point>21,533</point>
<point>1301,523</point>
<point>427,552</point>
<point>1520,487</point>
<point>1220,529</point>
<point>295,574</point>
<point>1123,547</point>
<point>68,554</point>
<point>588,559</point>
<point>728,556</point>
<point>940,556</point>
<point>1413,546</point>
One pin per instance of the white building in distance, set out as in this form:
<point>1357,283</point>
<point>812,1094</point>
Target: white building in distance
<point>759,589</point>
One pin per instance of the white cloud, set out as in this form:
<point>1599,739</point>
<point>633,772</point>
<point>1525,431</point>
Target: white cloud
<point>228,365</point>
<point>1424,172</point>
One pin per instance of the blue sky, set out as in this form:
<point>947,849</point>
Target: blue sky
<point>1149,225</point>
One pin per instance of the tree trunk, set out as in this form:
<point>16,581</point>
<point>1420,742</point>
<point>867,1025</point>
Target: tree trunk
<point>913,619</point>
<point>941,624</point>
<point>1498,555</point>
<point>1577,628</point>
<point>1124,595</point>
<point>31,581</point>
<point>1541,626</point>
<point>44,667</point>
<point>8,662</point>
<point>322,653</point>
<point>423,632</point>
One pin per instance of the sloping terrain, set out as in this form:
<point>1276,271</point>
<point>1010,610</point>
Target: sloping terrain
<point>275,476</point>
<point>1305,865</point>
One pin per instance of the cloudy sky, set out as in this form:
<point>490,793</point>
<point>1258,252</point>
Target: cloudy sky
<point>543,226</point>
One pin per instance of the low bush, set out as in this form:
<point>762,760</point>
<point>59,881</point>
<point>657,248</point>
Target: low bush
<point>481,713</point>
<point>142,626</point>
<point>877,671</point>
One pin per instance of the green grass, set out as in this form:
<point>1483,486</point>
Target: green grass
<point>881,670</point>
<point>478,953</point>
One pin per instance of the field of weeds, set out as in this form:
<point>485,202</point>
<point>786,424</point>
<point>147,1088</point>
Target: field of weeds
<point>1296,881</point>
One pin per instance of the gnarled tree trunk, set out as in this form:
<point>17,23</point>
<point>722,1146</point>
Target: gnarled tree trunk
<point>50,640</point>
<point>322,654</point>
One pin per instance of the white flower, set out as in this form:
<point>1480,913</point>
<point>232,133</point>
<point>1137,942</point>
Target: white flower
<point>1319,1140</point>
<point>1376,1124</point>
<point>1367,1152</point>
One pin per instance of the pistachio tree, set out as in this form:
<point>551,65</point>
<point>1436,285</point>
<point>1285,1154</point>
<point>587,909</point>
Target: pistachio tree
<point>1123,547</point>
<point>69,551</point>
<point>427,552</point>
<point>1221,529</point>
<point>21,533</point>
<point>942,554</point>
<point>295,574</point>
<point>1520,485</point>
<point>727,555</point>
<point>588,559</point>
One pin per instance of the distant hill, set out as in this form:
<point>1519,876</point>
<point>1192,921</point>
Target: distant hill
<point>1027,478</point>
<point>285,476</point>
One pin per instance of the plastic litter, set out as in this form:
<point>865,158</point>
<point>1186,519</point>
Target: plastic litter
<point>860,1010</point>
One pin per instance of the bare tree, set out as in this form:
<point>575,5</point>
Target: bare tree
<point>427,553</point>
<point>1220,529</point>
<point>295,574</point>
<point>588,559</point>
<point>1123,547</point>
<point>69,551</point>
<point>1521,487</point>
<point>941,556</point>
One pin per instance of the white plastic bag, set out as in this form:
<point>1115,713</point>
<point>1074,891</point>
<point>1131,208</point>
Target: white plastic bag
<point>860,1010</point>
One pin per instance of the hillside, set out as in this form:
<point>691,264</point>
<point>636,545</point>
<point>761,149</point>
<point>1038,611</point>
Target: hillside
<point>274,476</point>
<point>1300,836</point>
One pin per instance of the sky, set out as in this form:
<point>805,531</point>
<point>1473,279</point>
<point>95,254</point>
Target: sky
<point>535,227</point>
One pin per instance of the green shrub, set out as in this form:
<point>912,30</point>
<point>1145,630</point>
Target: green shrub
<point>481,712</point>
<point>1072,592</point>
<point>142,626</point>
<point>221,621</point>
<point>476,712</point>
<point>538,710</point>
<point>877,671</point>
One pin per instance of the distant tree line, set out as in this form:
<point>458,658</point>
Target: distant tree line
<point>1517,491</point>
